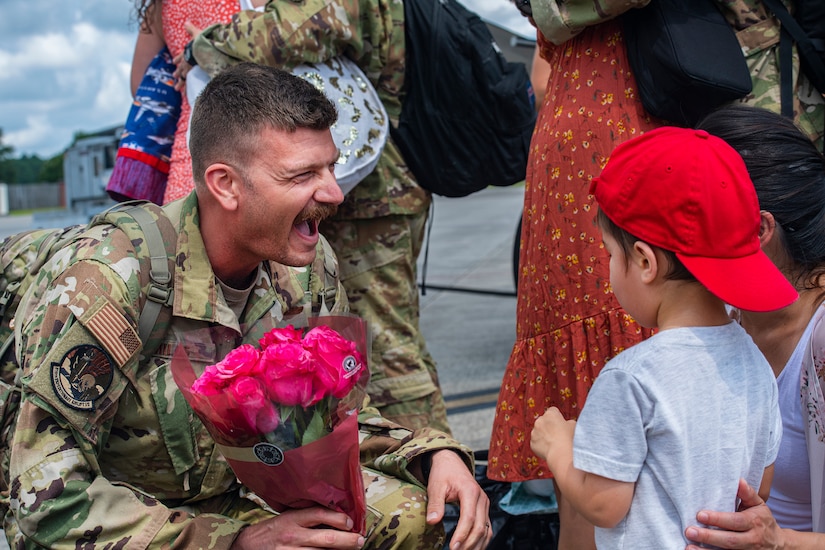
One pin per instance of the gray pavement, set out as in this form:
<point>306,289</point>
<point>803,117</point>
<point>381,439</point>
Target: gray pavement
<point>13,224</point>
<point>469,334</point>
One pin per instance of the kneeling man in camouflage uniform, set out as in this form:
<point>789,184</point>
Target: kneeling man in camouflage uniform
<point>116,458</point>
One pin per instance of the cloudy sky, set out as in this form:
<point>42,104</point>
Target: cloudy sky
<point>64,66</point>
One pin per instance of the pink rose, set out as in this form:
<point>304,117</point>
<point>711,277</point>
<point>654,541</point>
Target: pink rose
<point>209,383</point>
<point>241,361</point>
<point>257,410</point>
<point>339,362</point>
<point>287,371</point>
<point>286,335</point>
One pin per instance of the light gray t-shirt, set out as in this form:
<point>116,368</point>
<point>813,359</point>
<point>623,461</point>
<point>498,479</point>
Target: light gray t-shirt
<point>684,415</point>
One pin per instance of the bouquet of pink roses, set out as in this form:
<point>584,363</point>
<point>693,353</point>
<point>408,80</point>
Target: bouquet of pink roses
<point>284,415</point>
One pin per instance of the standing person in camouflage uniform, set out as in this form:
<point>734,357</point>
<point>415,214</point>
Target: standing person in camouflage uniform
<point>129,465</point>
<point>378,230</point>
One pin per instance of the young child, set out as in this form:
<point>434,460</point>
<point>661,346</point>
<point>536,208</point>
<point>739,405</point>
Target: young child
<point>672,423</point>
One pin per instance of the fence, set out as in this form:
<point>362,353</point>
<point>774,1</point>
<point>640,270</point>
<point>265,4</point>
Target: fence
<point>30,196</point>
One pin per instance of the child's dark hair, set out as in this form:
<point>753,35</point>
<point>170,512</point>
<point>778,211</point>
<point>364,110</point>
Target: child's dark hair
<point>676,269</point>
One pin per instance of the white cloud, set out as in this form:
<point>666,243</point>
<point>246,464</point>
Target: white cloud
<point>53,84</point>
<point>36,131</point>
<point>502,13</point>
<point>114,90</point>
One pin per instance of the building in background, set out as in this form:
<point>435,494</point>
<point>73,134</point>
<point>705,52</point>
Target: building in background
<point>87,166</point>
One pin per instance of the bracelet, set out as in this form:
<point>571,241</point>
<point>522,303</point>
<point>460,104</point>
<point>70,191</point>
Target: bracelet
<point>188,56</point>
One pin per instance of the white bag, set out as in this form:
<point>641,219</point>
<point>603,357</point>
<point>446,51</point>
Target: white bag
<point>363,125</point>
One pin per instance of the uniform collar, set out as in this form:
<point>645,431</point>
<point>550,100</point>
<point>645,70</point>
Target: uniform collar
<point>197,294</point>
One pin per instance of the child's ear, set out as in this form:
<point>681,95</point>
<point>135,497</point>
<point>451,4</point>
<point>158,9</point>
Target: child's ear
<point>647,261</point>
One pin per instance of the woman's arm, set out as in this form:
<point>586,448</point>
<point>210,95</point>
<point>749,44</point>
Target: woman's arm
<point>149,43</point>
<point>539,75</point>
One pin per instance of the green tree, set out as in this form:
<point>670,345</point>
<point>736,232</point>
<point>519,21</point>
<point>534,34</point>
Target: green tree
<point>52,169</point>
<point>27,169</point>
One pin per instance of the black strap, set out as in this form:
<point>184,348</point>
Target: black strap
<point>804,43</point>
<point>787,20</point>
<point>786,73</point>
<point>791,31</point>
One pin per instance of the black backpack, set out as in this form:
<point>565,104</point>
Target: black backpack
<point>468,115</point>
<point>23,254</point>
<point>685,58</point>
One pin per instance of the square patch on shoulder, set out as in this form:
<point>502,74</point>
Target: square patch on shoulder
<point>111,327</point>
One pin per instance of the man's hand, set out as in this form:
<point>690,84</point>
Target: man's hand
<point>552,435</point>
<point>752,527</point>
<point>451,481</point>
<point>182,66</point>
<point>307,528</point>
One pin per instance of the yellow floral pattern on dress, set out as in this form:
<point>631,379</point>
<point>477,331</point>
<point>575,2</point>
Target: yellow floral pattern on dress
<point>568,322</point>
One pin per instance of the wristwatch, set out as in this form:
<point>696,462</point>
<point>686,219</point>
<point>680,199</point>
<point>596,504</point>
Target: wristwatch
<point>188,56</point>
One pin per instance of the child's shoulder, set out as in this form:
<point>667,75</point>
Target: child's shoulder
<point>675,345</point>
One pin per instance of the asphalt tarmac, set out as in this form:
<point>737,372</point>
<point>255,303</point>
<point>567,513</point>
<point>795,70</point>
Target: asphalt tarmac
<point>468,303</point>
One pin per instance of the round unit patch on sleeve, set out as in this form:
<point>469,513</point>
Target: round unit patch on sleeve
<point>82,377</point>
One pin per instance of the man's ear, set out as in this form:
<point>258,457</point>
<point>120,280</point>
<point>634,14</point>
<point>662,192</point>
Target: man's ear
<point>224,183</point>
<point>647,261</point>
<point>767,228</point>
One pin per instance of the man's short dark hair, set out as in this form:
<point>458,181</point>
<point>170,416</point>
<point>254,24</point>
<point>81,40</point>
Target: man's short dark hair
<point>244,99</point>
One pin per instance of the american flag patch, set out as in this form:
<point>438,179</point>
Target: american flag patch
<point>114,332</point>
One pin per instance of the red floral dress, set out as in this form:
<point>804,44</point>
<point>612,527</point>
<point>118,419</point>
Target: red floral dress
<point>176,13</point>
<point>568,321</point>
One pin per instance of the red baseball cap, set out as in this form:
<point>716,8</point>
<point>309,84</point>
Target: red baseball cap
<point>689,192</point>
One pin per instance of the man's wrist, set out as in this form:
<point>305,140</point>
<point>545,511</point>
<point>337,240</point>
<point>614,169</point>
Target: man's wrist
<point>189,55</point>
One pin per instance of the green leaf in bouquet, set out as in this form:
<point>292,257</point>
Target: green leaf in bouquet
<point>287,413</point>
<point>315,430</point>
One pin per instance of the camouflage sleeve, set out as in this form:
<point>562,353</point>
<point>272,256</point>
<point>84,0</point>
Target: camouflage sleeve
<point>393,449</point>
<point>561,20</point>
<point>60,500</point>
<point>79,352</point>
<point>286,34</point>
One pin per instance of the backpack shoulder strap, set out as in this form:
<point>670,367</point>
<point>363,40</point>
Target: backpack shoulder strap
<point>159,294</point>
<point>319,280</point>
<point>148,220</point>
<point>809,48</point>
<point>328,263</point>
